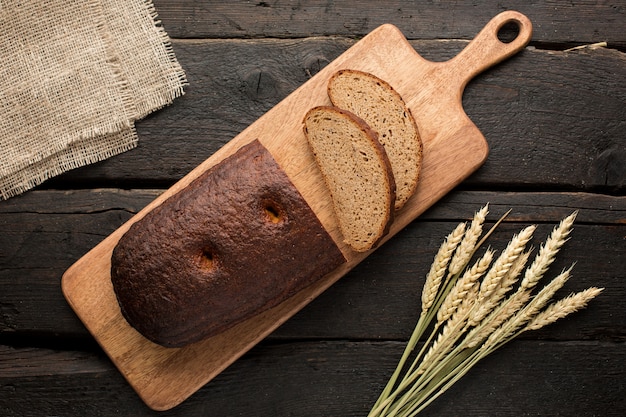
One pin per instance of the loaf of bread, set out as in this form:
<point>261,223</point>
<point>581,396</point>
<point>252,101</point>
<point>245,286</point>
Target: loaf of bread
<point>357,172</point>
<point>384,110</point>
<point>237,241</point>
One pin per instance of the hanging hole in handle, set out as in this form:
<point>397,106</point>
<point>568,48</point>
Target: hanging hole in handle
<point>509,31</point>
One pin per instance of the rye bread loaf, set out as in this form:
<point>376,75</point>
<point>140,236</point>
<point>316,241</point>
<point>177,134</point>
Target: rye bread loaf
<point>237,241</point>
<point>357,172</point>
<point>384,110</point>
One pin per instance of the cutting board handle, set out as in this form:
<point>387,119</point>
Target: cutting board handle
<point>486,49</point>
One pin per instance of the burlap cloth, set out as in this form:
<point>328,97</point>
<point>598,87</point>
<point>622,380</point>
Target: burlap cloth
<point>74,77</point>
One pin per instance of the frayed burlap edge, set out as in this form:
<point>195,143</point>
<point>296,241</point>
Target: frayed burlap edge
<point>176,77</point>
<point>95,145</point>
<point>76,155</point>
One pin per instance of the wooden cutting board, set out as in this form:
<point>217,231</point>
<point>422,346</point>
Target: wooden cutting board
<point>453,149</point>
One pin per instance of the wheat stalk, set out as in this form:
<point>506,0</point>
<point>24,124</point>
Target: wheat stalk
<point>463,286</point>
<point>432,285</point>
<point>547,252</point>
<point>473,318</point>
<point>439,266</point>
<point>497,317</point>
<point>432,288</point>
<point>563,308</point>
<point>509,328</point>
<point>468,244</point>
<point>491,291</point>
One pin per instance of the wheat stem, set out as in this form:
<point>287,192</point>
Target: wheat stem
<point>432,286</point>
<point>417,333</point>
<point>431,364</point>
<point>436,371</point>
<point>381,407</point>
<point>467,362</point>
<point>471,318</point>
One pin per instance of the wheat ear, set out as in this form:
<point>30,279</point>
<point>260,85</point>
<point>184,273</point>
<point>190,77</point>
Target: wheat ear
<point>432,284</point>
<point>496,318</point>
<point>512,276</point>
<point>548,251</point>
<point>463,286</point>
<point>563,307</point>
<point>510,328</point>
<point>492,289</point>
<point>468,244</point>
<point>438,268</point>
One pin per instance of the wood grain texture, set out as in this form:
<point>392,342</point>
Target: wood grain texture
<point>539,111</point>
<point>449,138</point>
<point>554,121</point>
<point>35,311</point>
<point>327,378</point>
<point>556,22</point>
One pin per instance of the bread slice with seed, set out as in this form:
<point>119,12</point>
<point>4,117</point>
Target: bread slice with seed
<point>384,110</point>
<point>357,172</point>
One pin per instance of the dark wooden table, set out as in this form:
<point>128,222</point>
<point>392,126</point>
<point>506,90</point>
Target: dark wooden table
<point>556,124</point>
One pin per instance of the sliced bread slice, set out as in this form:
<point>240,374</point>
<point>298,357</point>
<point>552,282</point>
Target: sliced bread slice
<point>384,110</point>
<point>357,172</point>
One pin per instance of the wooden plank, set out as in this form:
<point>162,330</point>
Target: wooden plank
<point>566,118</point>
<point>92,203</point>
<point>380,297</point>
<point>46,231</point>
<point>540,112</point>
<point>594,209</point>
<point>560,23</point>
<point>448,137</point>
<point>43,234</point>
<point>328,378</point>
<point>538,376</point>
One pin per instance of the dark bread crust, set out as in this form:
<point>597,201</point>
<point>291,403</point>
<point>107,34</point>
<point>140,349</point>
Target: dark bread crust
<point>237,241</point>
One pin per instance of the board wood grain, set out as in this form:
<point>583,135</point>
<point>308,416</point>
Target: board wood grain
<point>453,149</point>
